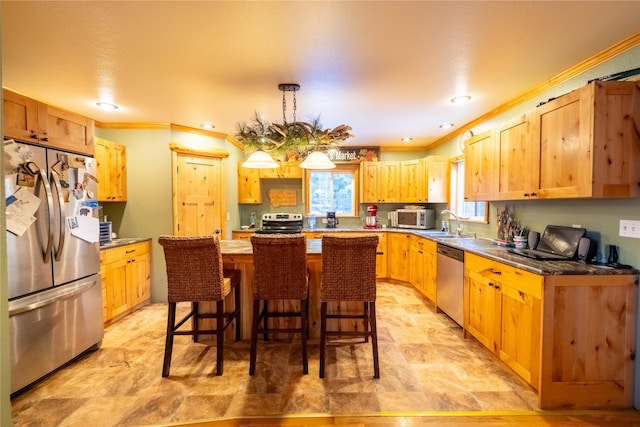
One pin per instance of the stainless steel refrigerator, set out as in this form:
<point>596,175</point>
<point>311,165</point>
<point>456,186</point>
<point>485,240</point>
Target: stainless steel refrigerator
<point>53,259</point>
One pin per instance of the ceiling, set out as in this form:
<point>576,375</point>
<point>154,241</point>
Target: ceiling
<point>386,68</point>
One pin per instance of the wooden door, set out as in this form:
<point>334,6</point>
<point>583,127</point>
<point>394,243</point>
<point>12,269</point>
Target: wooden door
<point>198,191</point>
<point>199,196</point>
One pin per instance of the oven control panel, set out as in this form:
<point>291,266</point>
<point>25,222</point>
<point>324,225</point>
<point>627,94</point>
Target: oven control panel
<point>282,217</point>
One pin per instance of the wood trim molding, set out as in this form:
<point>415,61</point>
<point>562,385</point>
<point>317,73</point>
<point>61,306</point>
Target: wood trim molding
<point>177,147</point>
<point>597,59</point>
<point>102,125</point>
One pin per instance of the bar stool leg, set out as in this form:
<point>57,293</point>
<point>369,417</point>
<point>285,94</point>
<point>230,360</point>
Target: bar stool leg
<point>168,346</point>
<point>219,336</point>
<point>304,309</point>
<point>195,320</point>
<point>323,337</point>
<point>374,339</point>
<point>254,337</point>
<point>236,305</point>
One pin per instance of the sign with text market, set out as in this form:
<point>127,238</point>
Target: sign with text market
<point>353,154</point>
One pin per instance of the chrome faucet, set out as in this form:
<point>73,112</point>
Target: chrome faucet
<point>459,225</point>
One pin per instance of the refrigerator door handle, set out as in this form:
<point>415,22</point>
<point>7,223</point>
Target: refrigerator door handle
<point>57,252</point>
<point>34,302</point>
<point>42,180</point>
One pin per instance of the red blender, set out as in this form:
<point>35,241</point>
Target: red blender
<point>371,220</point>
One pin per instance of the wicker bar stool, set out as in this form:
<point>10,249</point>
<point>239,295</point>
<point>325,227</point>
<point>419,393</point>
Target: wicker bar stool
<point>280,273</point>
<point>195,274</point>
<point>349,274</point>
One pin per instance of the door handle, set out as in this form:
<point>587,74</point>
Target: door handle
<point>63,218</point>
<point>42,180</point>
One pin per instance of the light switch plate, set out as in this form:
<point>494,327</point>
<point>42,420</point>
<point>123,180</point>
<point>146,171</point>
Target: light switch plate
<point>629,228</point>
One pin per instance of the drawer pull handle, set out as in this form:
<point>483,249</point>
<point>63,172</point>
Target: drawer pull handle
<point>130,251</point>
<point>491,270</point>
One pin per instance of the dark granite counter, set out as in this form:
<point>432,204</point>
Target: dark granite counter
<point>485,247</point>
<point>122,242</point>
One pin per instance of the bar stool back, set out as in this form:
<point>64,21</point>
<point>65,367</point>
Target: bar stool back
<point>279,273</point>
<point>194,274</point>
<point>349,274</point>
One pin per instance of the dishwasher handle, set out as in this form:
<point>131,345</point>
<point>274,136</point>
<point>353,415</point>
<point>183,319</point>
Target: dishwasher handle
<point>448,251</point>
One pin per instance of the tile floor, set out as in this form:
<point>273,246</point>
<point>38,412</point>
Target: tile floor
<point>426,365</point>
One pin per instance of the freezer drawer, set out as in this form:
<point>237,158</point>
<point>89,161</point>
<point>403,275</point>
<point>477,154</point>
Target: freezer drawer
<point>50,328</point>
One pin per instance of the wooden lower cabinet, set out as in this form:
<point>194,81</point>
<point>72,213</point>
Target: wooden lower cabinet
<point>126,279</point>
<point>572,337</point>
<point>398,262</point>
<point>241,235</point>
<point>422,266</point>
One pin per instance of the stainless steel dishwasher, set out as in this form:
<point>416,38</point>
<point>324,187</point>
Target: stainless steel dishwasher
<point>450,282</point>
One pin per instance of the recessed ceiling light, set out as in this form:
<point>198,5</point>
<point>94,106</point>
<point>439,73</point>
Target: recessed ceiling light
<point>446,125</point>
<point>406,139</point>
<point>207,126</point>
<point>461,99</point>
<point>107,105</point>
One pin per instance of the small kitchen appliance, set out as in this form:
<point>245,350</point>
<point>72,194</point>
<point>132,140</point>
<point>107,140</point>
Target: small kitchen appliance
<point>281,223</point>
<point>371,220</point>
<point>332,221</point>
<point>418,218</point>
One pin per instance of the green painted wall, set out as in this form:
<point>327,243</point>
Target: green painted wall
<point>148,209</point>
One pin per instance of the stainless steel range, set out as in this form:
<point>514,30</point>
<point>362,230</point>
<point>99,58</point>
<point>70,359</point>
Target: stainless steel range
<point>283,223</point>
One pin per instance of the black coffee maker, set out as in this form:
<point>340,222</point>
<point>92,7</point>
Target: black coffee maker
<point>332,221</point>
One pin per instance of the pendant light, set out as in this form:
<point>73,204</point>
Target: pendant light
<point>260,160</point>
<point>317,160</point>
<point>263,138</point>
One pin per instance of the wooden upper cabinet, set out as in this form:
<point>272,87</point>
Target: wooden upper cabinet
<point>286,170</point>
<point>518,160</point>
<point>589,145</point>
<point>438,178</point>
<point>380,182</point>
<point>413,182</point>
<point>20,117</point>
<point>249,185</point>
<point>480,167</point>
<point>28,120</point>
<point>111,160</point>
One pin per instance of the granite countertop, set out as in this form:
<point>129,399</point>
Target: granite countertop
<point>122,242</point>
<point>485,247</point>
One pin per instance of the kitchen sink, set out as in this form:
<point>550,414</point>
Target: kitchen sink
<point>445,235</point>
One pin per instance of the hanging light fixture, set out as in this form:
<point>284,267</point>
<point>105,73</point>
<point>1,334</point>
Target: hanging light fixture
<point>260,160</point>
<point>317,160</point>
<point>292,139</point>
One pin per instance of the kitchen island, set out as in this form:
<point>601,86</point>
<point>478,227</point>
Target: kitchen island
<point>238,254</point>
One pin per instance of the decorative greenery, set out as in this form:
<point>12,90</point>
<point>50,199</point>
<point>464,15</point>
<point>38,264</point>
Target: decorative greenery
<point>291,139</point>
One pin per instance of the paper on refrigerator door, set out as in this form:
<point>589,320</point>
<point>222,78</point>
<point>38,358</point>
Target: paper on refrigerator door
<point>85,227</point>
<point>20,213</point>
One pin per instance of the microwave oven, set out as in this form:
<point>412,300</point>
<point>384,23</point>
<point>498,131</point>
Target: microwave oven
<point>423,219</point>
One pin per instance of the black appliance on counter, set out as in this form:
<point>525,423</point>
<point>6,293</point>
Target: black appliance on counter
<point>332,220</point>
<point>280,223</point>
